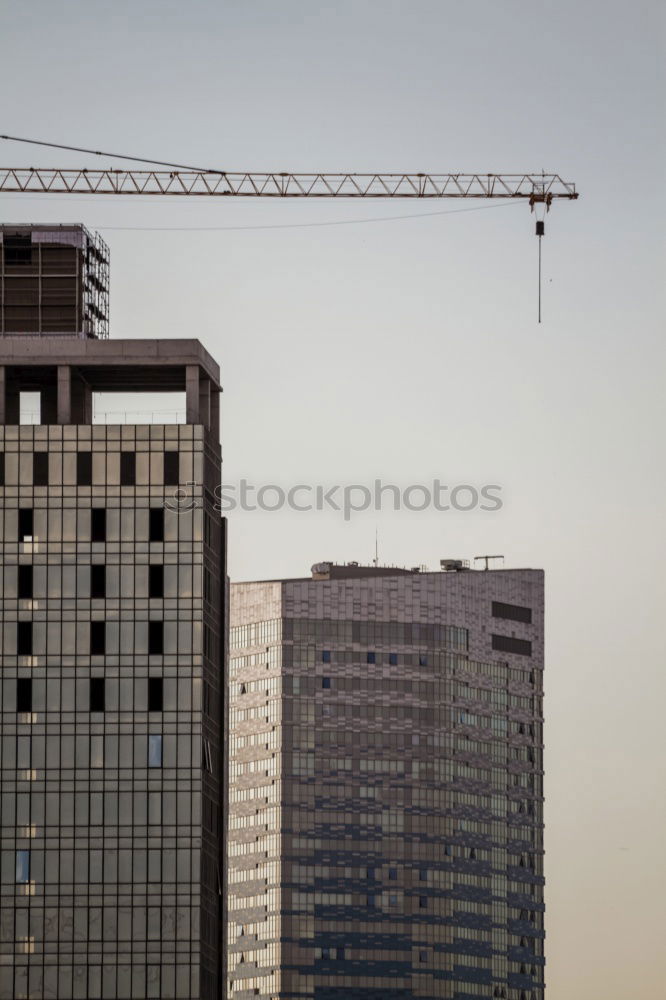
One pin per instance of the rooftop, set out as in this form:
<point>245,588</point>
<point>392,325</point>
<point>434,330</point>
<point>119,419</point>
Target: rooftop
<point>129,365</point>
<point>355,570</point>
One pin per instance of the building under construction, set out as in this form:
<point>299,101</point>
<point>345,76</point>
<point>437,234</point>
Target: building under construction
<point>112,660</point>
<point>54,279</point>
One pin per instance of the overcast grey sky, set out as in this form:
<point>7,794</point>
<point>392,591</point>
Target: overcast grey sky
<point>409,349</point>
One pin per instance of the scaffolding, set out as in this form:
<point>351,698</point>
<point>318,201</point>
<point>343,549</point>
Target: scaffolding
<point>54,281</point>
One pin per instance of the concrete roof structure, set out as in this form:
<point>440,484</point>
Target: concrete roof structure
<point>131,365</point>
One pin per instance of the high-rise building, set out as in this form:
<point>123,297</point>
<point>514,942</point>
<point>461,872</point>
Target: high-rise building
<point>111,678</point>
<point>53,279</point>
<point>385,815</point>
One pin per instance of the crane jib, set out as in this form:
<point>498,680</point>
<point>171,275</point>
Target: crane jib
<point>534,188</point>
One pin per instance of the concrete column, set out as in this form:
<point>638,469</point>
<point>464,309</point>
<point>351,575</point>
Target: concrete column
<point>192,394</point>
<point>64,394</point>
<point>204,401</point>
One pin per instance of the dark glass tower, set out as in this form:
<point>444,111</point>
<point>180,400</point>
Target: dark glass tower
<point>385,820</point>
<point>112,677</point>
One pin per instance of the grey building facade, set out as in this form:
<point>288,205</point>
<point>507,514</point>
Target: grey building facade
<point>111,677</point>
<point>385,817</point>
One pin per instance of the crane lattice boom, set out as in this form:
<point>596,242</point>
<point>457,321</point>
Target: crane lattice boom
<point>531,187</point>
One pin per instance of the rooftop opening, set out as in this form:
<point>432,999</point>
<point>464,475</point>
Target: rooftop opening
<point>30,408</point>
<point>138,407</point>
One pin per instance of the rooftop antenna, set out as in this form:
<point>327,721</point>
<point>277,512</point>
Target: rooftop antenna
<point>375,561</point>
<point>487,559</point>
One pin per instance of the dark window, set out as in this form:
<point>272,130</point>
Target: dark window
<point>371,658</point>
<point>393,659</point>
<point>40,468</point>
<point>127,468</point>
<point>370,900</point>
<point>84,468</point>
<point>97,694</point>
<point>155,694</point>
<point>393,874</point>
<point>98,581</point>
<point>24,638</point>
<point>24,582</point>
<point>370,873</point>
<point>156,524</point>
<point>423,902</point>
<point>97,638</point>
<point>208,530</point>
<point>514,612</point>
<point>171,468</point>
<point>393,899</point>
<point>326,656</point>
<point>25,523</point>
<point>209,643</point>
<point>98,524</point>
<point>423,660</point>
<point>24,694</point>
<point>155,638</point>
<point>156,581</point>
<point>423,956</point>
<point>207,762</point>
<point>2,468</point>
<point>507,644</point>
<point>423,875</point>
<point>18,251</point>
<point>326,682</point>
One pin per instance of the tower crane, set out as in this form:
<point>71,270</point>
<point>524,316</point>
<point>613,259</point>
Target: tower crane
<point>181,180</point>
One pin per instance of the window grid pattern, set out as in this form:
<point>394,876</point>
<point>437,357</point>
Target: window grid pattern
<point>103,809</point>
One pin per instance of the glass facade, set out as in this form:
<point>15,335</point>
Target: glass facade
<point>385,817</point>
<point>111,683</point>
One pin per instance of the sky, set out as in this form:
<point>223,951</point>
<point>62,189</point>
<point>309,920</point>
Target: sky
<point>408,350</point>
